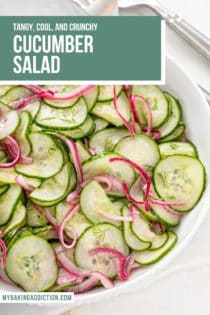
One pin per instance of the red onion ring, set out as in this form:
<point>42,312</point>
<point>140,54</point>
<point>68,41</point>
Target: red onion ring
<point>10,141</point>
<point>61,226</point>
<point>140,170</point>
<point>149,112</point>
<point>121,259</point>
<point>114,217</point>
<point>124,121</point>
<point>20,181</point>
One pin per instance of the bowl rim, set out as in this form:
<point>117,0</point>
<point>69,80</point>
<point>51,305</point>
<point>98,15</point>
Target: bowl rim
<point>152,274</point>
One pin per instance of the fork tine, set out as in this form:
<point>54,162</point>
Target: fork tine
<point>81,4</point>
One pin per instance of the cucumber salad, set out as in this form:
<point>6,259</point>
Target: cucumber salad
<point>93,181</point>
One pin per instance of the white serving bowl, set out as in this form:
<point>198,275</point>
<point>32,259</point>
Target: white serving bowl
<point>196,114</point>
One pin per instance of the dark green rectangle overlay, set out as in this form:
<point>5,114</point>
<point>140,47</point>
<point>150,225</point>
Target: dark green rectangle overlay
<point>126,48</point>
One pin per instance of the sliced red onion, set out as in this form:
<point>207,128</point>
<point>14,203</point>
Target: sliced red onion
<point>25,160</point>
<point>51,219</point>
<point>124,121</point>
<point>114,217</point>
<point>172,211</point>
<point>91,150</point>
<point>140,170</point>
<point>65,277</point>
<point>50,95</point>
<point>20,181</point>
<point>114,184</point>
<point>73,197</point>
<point>61,227</point>
<point>105,281</point>
<point>134,110</point>
<point>38,209</point>
<point>130,198</point>
<point>3,253</point>
<point>100,178</point>
<point>149,112</point>
<point>157,227</point>
<point>121,259</point>
<point>126,88</point>
<point>85,286</point>
<point>133,212</point>
<point>165,203</point>
<point>79,273</point>
<point>67,264</point>
<point>55,224</point>
<point>22,103</point>
<point>10,141</point>
<point>75,155</point>
<point>130,263</point>
<point>12,150</point>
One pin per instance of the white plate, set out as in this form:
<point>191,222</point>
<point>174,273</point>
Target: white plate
<point>196,114</point>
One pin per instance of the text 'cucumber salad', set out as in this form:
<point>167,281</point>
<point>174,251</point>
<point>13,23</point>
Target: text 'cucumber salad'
<point>93,179</point>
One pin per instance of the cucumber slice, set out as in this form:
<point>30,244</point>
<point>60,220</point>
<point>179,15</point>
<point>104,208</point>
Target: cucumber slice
<point>81,131</point>
<point>46,155</point>
<point>168,218</point>
<point>8,175</point>
<point>181,179</point>
<point>91,98</point>
<point>106,92</point>
<point>35,128</point>
<point>102,166</point>
<point>84,154</point>
<point>4,89</point>
<point>78,222</point>
<point>17,219</point>
<point>173,120</point>
<point>22,132</point>
<point>62,119</point>
<point>3,188</point>
<point>34,218</point>
<point>141,228</point>
<point>3,157</point>
<point>100,124</point>
<point>15,94</point>
<point>106,110</point>
<point>92,199</point>
<point>149,257</point>
<point>137,193</point>
<point>8,203</point>
<point>33,109</point>
<point>130,238</point>
<point>31,264</point>
<point>8,122</point>
<point>99,235</point>
<point>52,189</point>
<point>141,149</point>
<point>61,89</point>
<point>159,241</point>
<point>105,140</point>
<point>175,147</point>
<point>158,102</point>
<point>176,134</point>
<point>34,182</point>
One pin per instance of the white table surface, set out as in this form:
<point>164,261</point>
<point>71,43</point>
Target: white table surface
<point>183,288</point>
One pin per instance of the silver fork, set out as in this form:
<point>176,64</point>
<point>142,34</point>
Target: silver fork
<point>98,7</point>
<point>181,26</point>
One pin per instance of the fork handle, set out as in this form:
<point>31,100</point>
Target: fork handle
<point>186,30</point>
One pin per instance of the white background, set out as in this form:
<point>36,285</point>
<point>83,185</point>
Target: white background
<point>184,287</point>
